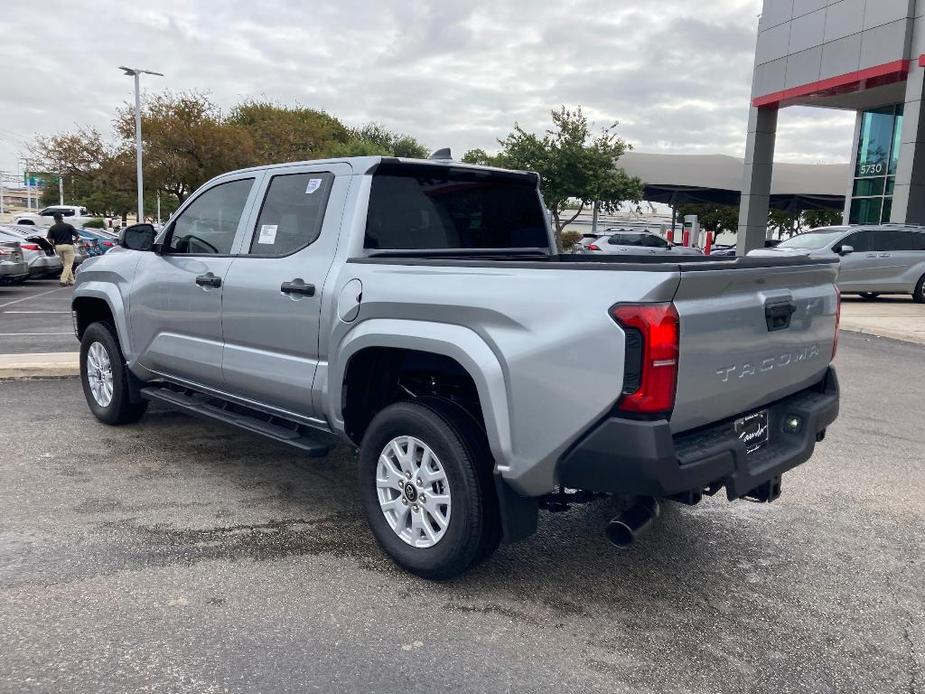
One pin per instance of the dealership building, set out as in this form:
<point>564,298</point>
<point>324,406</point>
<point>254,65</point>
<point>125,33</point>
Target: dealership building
<point>866,56</point>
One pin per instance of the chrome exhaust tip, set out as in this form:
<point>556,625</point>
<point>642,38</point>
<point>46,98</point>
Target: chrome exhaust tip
<point>624,529</point>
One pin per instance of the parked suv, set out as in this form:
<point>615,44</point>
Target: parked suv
<point>419,311</point>
<point>875,260</point>
<point>632,242</point>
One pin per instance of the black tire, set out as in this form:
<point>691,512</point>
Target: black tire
<point>918,296</point>
<point>869,296</point>
<point>120,409</point>
<point>473,531</point>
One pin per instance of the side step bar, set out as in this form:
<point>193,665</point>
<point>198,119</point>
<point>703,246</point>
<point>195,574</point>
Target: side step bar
<point>312,441</point>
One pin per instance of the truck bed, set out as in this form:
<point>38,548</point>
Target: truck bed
<point>681,263</point>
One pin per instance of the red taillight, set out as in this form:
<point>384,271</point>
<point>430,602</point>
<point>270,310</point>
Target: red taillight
<point>30,246</point>
<point>658,327</point>
<point>108,244</point>
<point>837,320</point>
<point>592,247</point>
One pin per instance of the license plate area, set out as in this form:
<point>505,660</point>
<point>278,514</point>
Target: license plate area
<point>752,430</point>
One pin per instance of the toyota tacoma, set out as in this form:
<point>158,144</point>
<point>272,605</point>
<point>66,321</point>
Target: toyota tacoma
<point>420,311</point>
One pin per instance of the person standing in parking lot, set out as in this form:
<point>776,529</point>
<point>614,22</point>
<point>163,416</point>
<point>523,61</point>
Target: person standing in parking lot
<point>62,236</point>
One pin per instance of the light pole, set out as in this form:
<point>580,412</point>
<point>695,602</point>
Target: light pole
<point>136,73</point>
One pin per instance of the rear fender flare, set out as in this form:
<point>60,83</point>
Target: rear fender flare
<point>453,341</point>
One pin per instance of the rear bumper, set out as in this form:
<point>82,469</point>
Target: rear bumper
<point>642,457</point>
<point>13,272</point>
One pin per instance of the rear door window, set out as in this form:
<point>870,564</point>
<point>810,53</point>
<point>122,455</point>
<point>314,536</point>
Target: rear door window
<point>292,213</point>
<point>899,241</point>
<point>625,240</point>
<point>653,241</point>
<point>435,207</point>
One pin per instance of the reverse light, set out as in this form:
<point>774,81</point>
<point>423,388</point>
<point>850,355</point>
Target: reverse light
<point>651,366</point>
<point>837,320</point>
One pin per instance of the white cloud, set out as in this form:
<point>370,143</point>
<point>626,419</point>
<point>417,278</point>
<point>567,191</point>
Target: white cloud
<point>675,73</point>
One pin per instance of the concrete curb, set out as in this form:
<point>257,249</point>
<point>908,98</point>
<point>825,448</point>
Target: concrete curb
<point>39,365</point>
<point>912,338</point>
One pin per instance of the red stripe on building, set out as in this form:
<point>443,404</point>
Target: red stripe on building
<point>849,82</point>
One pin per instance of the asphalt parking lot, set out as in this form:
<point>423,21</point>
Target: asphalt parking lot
<point>36,317</point>
<point>178,556</point>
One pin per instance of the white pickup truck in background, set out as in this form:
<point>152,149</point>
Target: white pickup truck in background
<point>73,214</point>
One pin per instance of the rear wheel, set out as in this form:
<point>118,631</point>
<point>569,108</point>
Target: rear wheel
<point>918,296</point>
<point>105,378</point>
<point>426,488</point>
<point>869,296</point>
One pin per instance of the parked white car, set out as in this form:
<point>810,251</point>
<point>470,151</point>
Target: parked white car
<point>73,214</point>
<point>631,242</point>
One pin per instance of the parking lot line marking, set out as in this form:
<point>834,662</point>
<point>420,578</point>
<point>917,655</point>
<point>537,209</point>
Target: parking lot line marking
<point>34,312</point>
<point>34,296</point>
<point>67,332</point>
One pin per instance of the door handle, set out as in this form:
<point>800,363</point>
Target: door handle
<point>297,286</point>
<point>871,255</point>
<point>209,280</point>
<point>886,255</point>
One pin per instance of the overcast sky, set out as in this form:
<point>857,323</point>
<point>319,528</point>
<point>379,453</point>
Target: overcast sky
<point>675,73</point>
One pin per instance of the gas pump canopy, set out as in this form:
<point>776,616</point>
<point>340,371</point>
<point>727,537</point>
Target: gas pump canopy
<point>676,179</point>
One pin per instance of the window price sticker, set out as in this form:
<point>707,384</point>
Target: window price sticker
<point>267,234</point>
<point>313,185</point>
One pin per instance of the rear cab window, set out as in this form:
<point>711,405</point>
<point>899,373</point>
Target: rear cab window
<point>444,207</point>
<point>292,213</point>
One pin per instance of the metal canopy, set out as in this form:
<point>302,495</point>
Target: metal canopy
<point>676,179</point>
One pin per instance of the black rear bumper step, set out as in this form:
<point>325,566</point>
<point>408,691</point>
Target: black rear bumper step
<point>312,441</point>
<point>637,457</point>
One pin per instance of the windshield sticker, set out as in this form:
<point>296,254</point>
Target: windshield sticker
<point>267,233</point>
<point>313,185</point>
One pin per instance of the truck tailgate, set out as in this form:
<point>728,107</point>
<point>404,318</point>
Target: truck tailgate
<point>749,336</point>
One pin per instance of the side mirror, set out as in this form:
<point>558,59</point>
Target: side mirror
<point>138,237</point>
<point>844,250</point>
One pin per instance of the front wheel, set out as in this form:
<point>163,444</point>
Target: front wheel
<point>426,488</point>
<point>105,378</point>
<point>918,295</point>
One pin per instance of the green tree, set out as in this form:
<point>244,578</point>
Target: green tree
<point>97,175</point>
<point>478,156</point>
<point>186,142</point>
<point>712,217</point>
<point>379,140</point>
<point>821,218</point>
<point>576,168</point>
<point>784,222</point>
<point>284,134</point>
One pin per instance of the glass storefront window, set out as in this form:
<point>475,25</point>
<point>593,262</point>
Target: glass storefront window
<point>874,143</point>
<point>865,211</point>
<point>897,133</point>
<point>868,186</point>
<point>877,159</point>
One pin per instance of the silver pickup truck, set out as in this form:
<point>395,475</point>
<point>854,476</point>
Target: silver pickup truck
<point>418,309</point>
